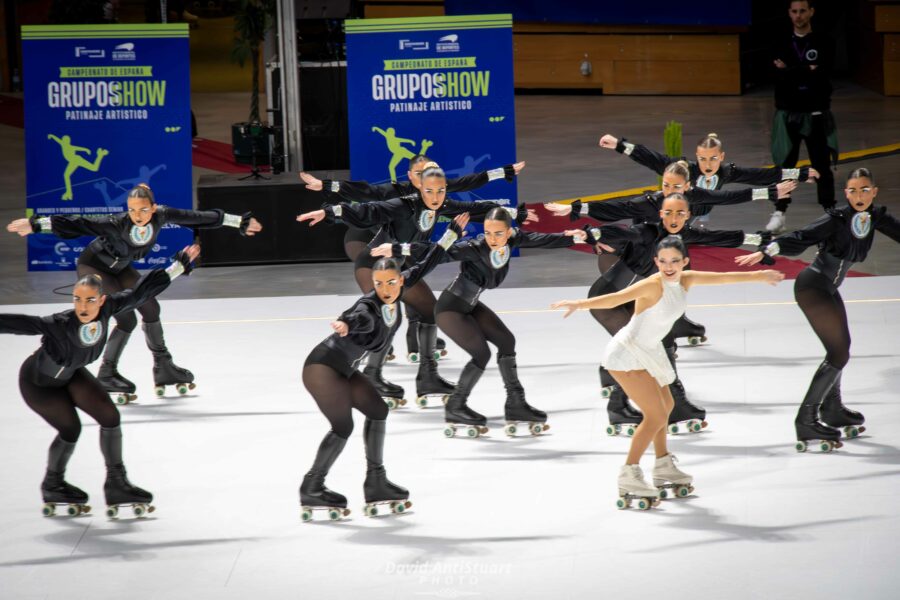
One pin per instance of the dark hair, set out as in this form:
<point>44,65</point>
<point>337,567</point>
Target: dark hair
<point>386,264</point>
<point>672,241</point>
<point>142,190</point>
<point>415,160</point>
<point>679,167</point>
<point>861,172</point>
<point>710,141</point>
<point>498,213</point>
<point>809,3</point>
<point>92,281</point>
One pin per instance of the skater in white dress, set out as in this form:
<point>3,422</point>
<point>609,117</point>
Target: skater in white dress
<point>635,357</point>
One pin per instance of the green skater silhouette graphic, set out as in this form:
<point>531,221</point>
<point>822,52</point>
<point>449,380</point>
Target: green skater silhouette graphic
<point>395,145</point>
<point>76,161</point>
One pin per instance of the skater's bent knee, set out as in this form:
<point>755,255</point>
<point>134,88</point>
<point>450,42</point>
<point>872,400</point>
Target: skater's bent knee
<point>838,360</point>
<point>70,433</point>
<point>126,321</point>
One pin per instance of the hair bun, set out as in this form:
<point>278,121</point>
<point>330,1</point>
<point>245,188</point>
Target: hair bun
<point>431,165</point>
<point>713,135</point>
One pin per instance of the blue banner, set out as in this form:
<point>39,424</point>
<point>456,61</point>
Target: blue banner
<point>106,107</point>
<point>441,86</point>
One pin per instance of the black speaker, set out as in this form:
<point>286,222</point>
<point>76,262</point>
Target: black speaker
<point>275,204</point>
<point>323,116</point>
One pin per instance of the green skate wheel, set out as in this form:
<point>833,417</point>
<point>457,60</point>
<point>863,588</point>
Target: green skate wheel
<point>621,503</point>
<point>449,432</point>
<point>683,491</point>
<point>413,357</point>
<point>48,510</point>
<point>674,429</point>
<point>334,514</point>
<point>510,430</point>
<point>694,340</point>
<point>120,399</point>
<point>800,446</point>
<point>663,493</point>
<point>851,431</point>
<point>826,446</point>
<point>371,510</point>
<point>306,515</point>
<point>605,392</point>
<point>160,390</point>
<point>643,504</point>
<point>422,401</point>
<point>182,388</point>
<point>139,510</point>
<point>536,429</point>
<point>472,432</point>
<point>630,430</point>
<point>112,512</point>
<point>437,355</point>
<point>399,507</point>
<point>391,403</point>
<point>73,511</point>
<point>611,430</point>
<point>696,426</point>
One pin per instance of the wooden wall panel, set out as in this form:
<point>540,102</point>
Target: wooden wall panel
<point>892,78</point>
<point>674,77</point>
<point>887,18</point>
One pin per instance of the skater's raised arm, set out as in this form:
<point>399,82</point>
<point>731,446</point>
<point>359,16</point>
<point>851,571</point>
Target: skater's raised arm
<point>246,224</point>
<point>692,278</point>
<point>154,282</point>
<point>474,181</point>
<point>64,226</point>
<point>646,289</point>
<point>25,324</point>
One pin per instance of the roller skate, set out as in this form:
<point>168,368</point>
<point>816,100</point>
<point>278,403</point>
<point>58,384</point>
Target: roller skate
<point>807,424</point>
<point>685,328</point>
<point>633,487</point>
<point>390,354</point>
<point>55,490</point>
<point>457,414</point>
<point>517,411</point>
<point>623,418</point>
<point>108,375</point>
<point>378,489</point>
<point>412,344</point>
<point>314,496</point>
<point>834,414</point>
<point>776,224</point>
<point>390,392</point>
<point>165,372</point>
<point>666,476</point>
<point>120,492</point>
<point>428,382</point>
<point>685,416</point>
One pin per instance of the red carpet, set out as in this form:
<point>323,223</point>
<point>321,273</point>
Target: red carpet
<point>216,156</point>
<point>703,258</point>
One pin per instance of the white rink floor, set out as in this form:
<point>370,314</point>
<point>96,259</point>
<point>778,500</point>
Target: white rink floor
<point>492,518</point>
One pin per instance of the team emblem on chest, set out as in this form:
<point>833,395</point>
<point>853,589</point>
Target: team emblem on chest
<point>861,224</point>
<point>90,333</point>
<point>499,257</point>
<point>141,235</point>
<point>389,314</point>
<point>708,183</point>
<point>426,220</point>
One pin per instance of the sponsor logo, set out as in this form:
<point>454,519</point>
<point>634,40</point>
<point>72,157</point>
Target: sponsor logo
<point>124,51</point>
<point>157,260</point>
<point>411,45</point>
<point>89,52</point>
<point>448,43</point>
<point>156,247</point>
<point>42,262</point>
<point>61,248</point>
<point>812,54</point>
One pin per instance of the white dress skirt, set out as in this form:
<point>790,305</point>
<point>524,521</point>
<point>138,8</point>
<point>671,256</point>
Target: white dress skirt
<point>638,346</point>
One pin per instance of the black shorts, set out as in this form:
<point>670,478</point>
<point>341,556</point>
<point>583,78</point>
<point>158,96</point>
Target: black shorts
<point>323,354</point>
<point>451,302</point>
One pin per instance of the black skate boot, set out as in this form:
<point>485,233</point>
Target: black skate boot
<point>834,414</point>
<point>517,410</point>
<point>55,489</point>
<point>391,392</point>
<point>165,372</point>
<point>313,493</point>
<point>428,381</point>
<point>685,328</point>
<point>108,375</point>
<point>457,413</point>
<point>412,338</point>
<point>685,415</point>
<point>117,489</point>
<point>377,488</point>
<point>807,422</point>
<point>623,417</point>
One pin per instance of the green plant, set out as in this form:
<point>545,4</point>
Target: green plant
<point>671,141</point>
<point>251,21</point>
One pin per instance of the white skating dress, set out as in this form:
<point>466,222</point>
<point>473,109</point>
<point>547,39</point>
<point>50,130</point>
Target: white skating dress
<point>638,346</point>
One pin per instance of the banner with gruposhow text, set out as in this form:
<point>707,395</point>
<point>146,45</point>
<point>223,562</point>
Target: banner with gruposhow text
<point>106,107</point>
<point>441,86</point>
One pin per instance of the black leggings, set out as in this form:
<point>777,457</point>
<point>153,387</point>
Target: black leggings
<point>336,395</point>
<point>819,158</point>
<point>473,327</point>
<point>116,282</point>
<point>612,319</point>
<point>824,309</point>
<point>56,405</point>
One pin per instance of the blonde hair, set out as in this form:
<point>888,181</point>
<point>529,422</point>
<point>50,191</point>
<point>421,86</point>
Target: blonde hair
<point>710,141</point>
<point>679,167</point>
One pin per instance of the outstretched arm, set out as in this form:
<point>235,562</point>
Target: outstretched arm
<point>692,278</point>
<point>642,155</point>
<point>474,181</point>
<point>888,224</point>
<point>646,288</point>
<point>154,282</point>
<point>24,324</point>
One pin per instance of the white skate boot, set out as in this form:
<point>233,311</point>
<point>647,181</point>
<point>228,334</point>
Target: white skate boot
<point>633,487</point>
<point>776,223</point>
<point>666,476</point>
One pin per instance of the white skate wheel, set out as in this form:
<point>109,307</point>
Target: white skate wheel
<point>612,430</point>
<point>826,446</point>
<point>472,432</point>
<point>73,511</point>
<point>673,428</point>
<point>399,508</point>
<point>160,390</point>
<point>622,503</point>
<point>629,431</point>
<point>449,431</point>
<point>536,429</point>
<point>139,510</point>
<point>49,509</point>
<point>371,510</point>
<point>510,430</point>
<point>112,512</point>
<point>696,426</point>
<point>334,514</point>
<point>851,431</point>
<point>437,355</point>
<point>643,504</point>
<point>800,446</point>
<point>413,357</point>
<point>306,514</point>
<point>120,399</point>
<point>422,401</point>
<point>682,491</point>
<point>663,493</point>
<point>182,388</point>
<point>391,404</point>
<point>606,392</point>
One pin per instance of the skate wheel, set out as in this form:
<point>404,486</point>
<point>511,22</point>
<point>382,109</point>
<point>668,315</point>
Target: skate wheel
<point>696,340</point>
<point>160,390</point>
<point>629,431</point>
<point>182,388</point>
<point>371,510</point>
<point>445,399</point>
<point>112,512</point>
<point>398,507</point>
<point>334,514</point>
<point>851,432</point>
<point>449,431</point>
<point>800,446</point>
<point>422,401</point>
<point>674,429</point>
<point>306,514</point>
<point>120,399</point>
<point>663,493</point>
<point>612,430</point>
<point>139,510</point>
<point>695,426</point>
<point>472,432</point>
<point>606,392</point>
<point>827,446</point>
<point>536,429</point>
<point>510,430</point>
<point>438,355</point>
<point>73,511</point>
<point>391,403</point>
<point>390,357</point>
<point>643,504</point>
<point>413,357</point>
<point>623,503</point>
<point>683,491</point>
<point>482,429</point>
<point>48,510</point>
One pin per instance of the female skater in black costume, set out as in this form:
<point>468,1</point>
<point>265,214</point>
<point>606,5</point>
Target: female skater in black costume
<point>844,236</point>
<point>330,374</point>
<point>54,382</point>
<point>120,240</point>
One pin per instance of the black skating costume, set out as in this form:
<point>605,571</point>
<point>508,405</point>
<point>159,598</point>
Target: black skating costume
<point>471,324</point>
<point>118,243</point>
<point>408,220</point>
<point>636,247</point>
<point>844,237</point>
<point>330,374</point>
<point>54,382</point>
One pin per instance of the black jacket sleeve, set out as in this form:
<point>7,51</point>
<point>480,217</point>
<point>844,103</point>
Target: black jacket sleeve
<point>360,191</point>
<point>644,156</point>
<point>887,224</point>
<point>368,214</point>
<point>358,319</point>
<point>701,197</point>
<point>616,209</point>
<point>796,242</point>
<point>530,239</point>
<point>720,239</point>
<point>424,266</point>
<point>191,218</point>
<point>148,287</point>
<point>72,227</point>
<point>25,324</point>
